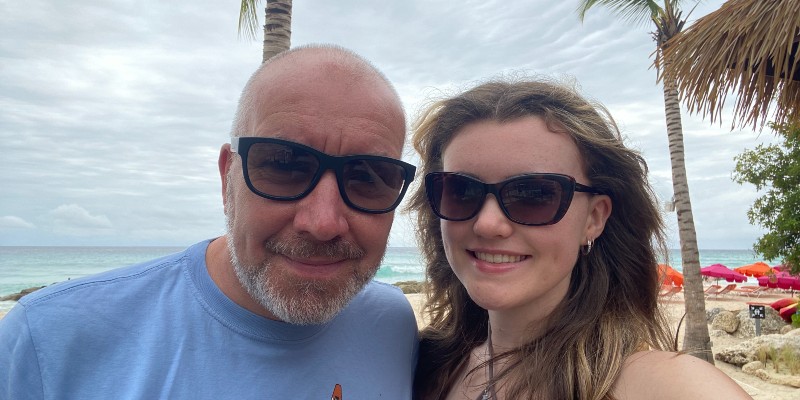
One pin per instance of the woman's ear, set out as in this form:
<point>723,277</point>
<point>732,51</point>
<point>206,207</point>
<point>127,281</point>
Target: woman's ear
<point>599,211</point>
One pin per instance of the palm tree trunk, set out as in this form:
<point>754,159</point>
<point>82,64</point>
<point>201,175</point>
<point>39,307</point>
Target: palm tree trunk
<point>696,340</point>
<point>277,27</point>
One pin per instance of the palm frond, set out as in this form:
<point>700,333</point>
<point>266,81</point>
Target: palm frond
<point>747,47</point>
<point>248,19</point>
<point>634,11</point>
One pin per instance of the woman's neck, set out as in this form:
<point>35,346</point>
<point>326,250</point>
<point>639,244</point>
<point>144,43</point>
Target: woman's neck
<point>511,331</point>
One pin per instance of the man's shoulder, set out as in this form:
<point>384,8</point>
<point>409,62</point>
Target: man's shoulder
<point>381,298</point>
<point>382,290</point>
<point>108,284</point>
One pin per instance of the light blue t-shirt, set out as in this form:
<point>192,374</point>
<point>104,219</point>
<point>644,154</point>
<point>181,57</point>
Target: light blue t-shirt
<point>163,330</point>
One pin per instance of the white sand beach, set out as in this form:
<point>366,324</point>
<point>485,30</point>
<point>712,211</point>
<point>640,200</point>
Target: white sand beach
<point>674,309</point>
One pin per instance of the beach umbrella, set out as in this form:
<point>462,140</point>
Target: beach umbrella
<point>781,280</point>
<point>770,281</point>
<point>756,269</point>
<point>788,281</point>
<point>747,48</point>
<point>669,275</point>
<point>720,271</point>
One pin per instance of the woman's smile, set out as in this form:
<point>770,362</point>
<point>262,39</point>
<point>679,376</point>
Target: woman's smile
<point>498,258</point>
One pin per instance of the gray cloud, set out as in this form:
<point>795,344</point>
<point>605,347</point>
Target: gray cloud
<point>10,222</point>
<point>72,219</point>
<point>114,111</point>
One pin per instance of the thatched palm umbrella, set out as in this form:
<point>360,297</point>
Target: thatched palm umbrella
<point>748,47</point>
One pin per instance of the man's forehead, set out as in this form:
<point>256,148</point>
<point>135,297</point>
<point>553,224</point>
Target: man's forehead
<point>328,87</point>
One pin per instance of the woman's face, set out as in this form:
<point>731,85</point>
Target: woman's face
<point>505,266</point>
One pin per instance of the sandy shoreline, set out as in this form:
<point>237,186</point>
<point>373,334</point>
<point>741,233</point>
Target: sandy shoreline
<point>674,309</point>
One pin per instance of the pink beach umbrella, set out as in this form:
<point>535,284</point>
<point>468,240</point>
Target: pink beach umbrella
<point>781,280</point>
<point>770,281</point>
<point>720,271</point>
<point>789,281</point>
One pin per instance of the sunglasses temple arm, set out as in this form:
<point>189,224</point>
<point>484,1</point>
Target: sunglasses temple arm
<point>587,189</point>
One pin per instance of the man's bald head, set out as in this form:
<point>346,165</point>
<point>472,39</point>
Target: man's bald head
<point>300,62</point>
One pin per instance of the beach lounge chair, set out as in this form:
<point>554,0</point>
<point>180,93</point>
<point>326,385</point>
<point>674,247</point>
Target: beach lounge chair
<point>751,291</point>
<point>669,291</point>
<point>721,292</point>
<point>712,289</point>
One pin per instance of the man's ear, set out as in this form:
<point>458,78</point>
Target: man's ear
<point>225,164</point>
<point>599,211</point>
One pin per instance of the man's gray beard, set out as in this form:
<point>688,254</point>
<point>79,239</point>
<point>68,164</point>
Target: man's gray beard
<point>301,302</point>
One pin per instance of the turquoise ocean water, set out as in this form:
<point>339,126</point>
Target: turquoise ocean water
<point>29,266</point>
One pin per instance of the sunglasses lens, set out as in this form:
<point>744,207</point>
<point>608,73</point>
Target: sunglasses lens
<point>373,184</point>
<point>532,201</point>
<point>529,200</point>
<point>286,171</point>
<point>279,170</point>
<point>455,197</point>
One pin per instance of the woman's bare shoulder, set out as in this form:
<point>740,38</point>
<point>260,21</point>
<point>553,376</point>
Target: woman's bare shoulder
<point>667,375</point>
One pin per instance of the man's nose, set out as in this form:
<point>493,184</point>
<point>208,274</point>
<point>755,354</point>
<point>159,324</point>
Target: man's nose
<point>322,214</point>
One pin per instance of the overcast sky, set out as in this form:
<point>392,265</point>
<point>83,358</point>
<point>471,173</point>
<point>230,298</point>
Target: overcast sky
<point>112,112</point>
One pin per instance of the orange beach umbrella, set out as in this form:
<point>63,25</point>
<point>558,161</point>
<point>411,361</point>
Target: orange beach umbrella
<point>756,269</point>
<point>669,275</point>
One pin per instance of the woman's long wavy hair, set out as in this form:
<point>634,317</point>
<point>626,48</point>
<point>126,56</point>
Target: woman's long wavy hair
<point>611,308</point>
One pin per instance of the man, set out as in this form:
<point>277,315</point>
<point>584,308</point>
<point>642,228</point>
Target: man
<point>282,306</point>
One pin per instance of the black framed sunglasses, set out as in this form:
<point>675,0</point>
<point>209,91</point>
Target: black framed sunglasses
<point>278,169</point>
<point>531,199</point>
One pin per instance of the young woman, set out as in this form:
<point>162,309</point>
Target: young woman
<point>541,234</point>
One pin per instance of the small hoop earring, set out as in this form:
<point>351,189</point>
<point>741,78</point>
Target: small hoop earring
<point>586,249</point>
